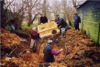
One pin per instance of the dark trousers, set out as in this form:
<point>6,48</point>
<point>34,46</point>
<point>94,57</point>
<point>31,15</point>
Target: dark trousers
<point>76,26</point>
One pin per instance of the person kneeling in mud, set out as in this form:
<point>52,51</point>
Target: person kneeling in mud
<point>34,37</point>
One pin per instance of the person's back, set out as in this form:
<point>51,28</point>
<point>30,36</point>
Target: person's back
<point>76,19</point>
<point>63,22</point>
<point>62,25</point>
<point>49,52</point>
<point>48,56</point>
<point>43,19</point>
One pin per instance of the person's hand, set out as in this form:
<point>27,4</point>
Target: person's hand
<point>61,50</point>
<point>41,23</point>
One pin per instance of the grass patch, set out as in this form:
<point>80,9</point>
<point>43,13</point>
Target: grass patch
<point>26,26</point>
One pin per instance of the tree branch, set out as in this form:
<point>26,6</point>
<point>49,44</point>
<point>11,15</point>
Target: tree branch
<point>10,4</point>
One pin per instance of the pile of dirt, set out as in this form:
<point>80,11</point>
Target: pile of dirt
<point>55,64</point>
<point>76,37</point>
<point>32,57</point>
<point>19,62</point>
<point>28,59</point>
<point>9,39</point>
<point>79,51</point>
<point>11,44</point>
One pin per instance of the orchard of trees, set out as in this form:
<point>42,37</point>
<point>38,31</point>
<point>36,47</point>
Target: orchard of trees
<point>19,9</point>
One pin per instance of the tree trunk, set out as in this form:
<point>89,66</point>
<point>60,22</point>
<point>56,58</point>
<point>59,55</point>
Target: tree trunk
<point>44,8</point>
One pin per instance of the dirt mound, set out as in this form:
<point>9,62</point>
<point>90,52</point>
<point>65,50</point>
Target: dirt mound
<point>9,39</point>
<point>76,37</point>
<point>79,51</point>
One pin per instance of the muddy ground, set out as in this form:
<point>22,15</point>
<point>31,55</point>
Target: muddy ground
<point>79,51</point>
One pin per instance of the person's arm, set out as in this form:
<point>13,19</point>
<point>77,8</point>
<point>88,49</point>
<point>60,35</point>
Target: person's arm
<point>60,21</point>
<point>79,20</point>
<point>55,52</point>
<point>46,19</point>
<point>40,19</point>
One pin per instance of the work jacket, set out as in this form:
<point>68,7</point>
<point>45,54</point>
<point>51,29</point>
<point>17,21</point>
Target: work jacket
<point>48,56</point>
<point>49,52</point>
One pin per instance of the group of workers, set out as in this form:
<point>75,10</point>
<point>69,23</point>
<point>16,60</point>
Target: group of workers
<point>48,49</point>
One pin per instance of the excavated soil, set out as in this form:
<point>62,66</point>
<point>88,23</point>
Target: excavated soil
<point>79,51</point>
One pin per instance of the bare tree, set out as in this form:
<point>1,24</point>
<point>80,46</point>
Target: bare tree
<point>44,7</point>
<point>31,5</point>
<point>64,8</point>
<point>74,3</point>
<point>66,11</point>
<point>56,8</point>
<point>77,3</point>
<point>32,8</point>
<point>9,4</point>
<point>21,8</point>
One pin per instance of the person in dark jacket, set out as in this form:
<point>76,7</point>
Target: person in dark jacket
<point>49,52</point>
<point>43,19</point>
<point>62,25</point>
<point>77,20</point>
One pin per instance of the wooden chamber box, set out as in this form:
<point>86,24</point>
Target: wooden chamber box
<point>47,29</point>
